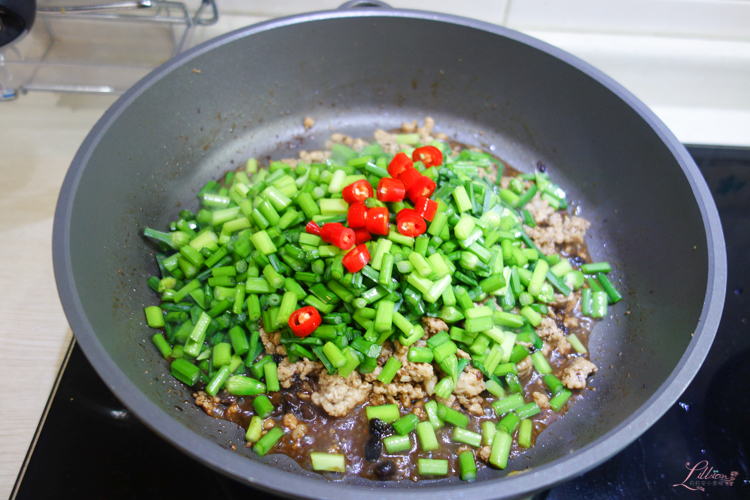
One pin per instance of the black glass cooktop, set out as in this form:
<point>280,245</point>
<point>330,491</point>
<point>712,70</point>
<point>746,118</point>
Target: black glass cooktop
<point>89,446</point>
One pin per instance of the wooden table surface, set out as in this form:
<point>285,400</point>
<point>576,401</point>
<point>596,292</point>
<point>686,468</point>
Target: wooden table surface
<point>39,135</point>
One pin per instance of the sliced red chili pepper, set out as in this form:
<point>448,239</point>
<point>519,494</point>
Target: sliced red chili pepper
<point>429,155</point>
<point>336,234</point>
<point>409,177</point>
<point>313,228</point>
<point>398,164</point>
<point>391,189</point>
<point>356,217</point>
<point>304,321</point>
<point>378,221</point>
<point>361,235</point>
<point>356,259</point>
<point>423,187</point>
<point>410,223</point>
<point>357,191</point>
<point>425,207</point>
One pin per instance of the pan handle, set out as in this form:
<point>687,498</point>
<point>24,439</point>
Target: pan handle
<point>353,4</point>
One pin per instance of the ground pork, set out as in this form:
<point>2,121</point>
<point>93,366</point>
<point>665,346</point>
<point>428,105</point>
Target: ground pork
<point>410,372</point>
<point>290,421</point>
<point>554,228</point>
<point>399,393</point>
<point>551,333</point>
<point>524,367</point>
<point>385,352</point>
<point>568,305</point>
<point>409,127</point>
<point>540,210</point>
<point>298,429</point>
<point>461,354</point>
<point>272,342</point>
<point>308,123</point>
<point>387,141</point>
<point>210,404</point>
<point>541,400</point>
<point>304,368</point>
<point>473,405</point>
<point>527,345</point>
<point>429,385</point>
<point>338,395</point>
<point>314,156</point>
<point>574,376</point>
<point>433,326</point>
<point>299,432</point>
<point>449,402</point>
<point>419,411</point>
<point>470,383</point>
<point>484,453</point>
<point>356,144</point>
<point>425,132</point>
<point>547,349</point>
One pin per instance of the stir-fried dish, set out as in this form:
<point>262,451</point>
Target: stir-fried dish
<point>400,309</point>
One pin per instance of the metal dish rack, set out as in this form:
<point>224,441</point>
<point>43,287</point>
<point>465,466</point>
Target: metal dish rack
<point>98,48</point>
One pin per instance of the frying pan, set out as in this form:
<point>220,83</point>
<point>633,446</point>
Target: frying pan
<point>245,94</point>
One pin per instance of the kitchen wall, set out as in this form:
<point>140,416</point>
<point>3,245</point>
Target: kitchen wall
<point>689,60</point>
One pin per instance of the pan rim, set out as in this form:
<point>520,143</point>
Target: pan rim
<point>276,480</point>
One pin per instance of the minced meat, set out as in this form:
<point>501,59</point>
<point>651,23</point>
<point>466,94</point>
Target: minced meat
<point>541,400</point>
<point>575,375</point>
<point>554,229</point>
<point>470,383</point>
<point>550,332</point>
<point>338,395</point>
<point>433,326</point>
<point>399,393</point>
<point>272,342</point>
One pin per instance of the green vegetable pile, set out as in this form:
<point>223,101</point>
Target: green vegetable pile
<point>245,262</point>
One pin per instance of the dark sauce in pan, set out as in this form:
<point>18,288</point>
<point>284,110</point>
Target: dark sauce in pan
<point>350,435</point>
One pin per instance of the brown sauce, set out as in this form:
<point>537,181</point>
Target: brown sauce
<point>349,435</point>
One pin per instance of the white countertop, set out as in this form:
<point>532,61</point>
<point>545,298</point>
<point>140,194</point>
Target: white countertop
<point>699,86</point>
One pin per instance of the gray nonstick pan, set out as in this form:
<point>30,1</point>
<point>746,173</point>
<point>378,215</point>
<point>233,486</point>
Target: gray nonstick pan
<point>245,94</point>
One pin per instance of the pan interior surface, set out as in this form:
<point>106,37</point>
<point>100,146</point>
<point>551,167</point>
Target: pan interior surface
<point>246,95</point>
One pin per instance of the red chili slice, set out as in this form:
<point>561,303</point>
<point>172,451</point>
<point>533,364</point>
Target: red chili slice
<point>304,321</point>
<point>378,221</point>
<point>356,217</point>
<point>361,235</point>
<point>425,207</point>
<point>391,189</point>
<point>429,155</point>
<point>356,259</point>
<point>409,177</point>
<point>398,164</point>
<point>313,228</point>
<point>410,223</point>
<point>357,191</point>
<point>336,234</point>
<point>423,187</point>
